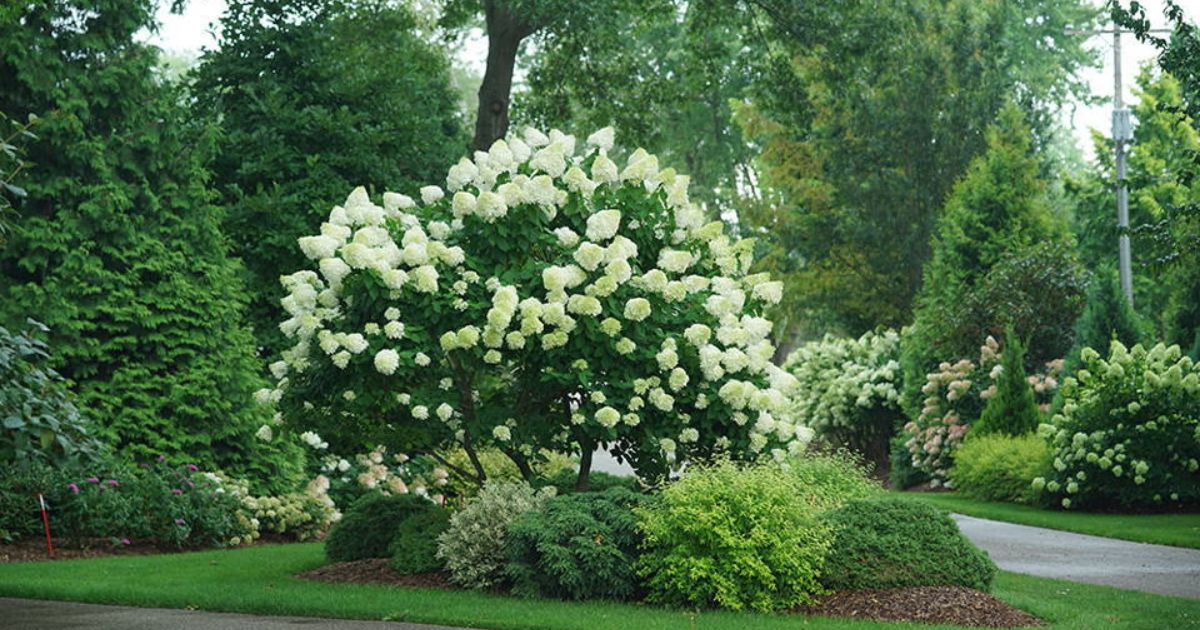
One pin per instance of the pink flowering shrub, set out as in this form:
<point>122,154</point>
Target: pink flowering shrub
<point>955,395</point>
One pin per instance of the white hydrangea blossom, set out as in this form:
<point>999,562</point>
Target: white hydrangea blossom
<point>571,267</point>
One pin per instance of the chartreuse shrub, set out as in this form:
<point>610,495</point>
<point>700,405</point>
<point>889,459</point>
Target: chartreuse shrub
<point>1011,408</point>
<point>848,390</point>
<point>828,480</point>
<point>414,547</point>
<point>733,536</point>
<point>39,422</point>
<point>545,299</point>
<point>1128,435</point>
<point>474,549</point>
<point>1000,467</point>
<point>892,542</point>
<point>577,546</point>
<point>367,529</point>
<point>118,247</point>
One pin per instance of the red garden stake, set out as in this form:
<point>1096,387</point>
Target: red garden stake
<point>46,523</point>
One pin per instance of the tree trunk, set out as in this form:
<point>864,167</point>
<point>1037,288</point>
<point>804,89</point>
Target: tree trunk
<point>505,32</point>
<point>586,447</point>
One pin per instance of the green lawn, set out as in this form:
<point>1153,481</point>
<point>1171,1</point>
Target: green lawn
<point>259,580</point>
<point>1179,530</point>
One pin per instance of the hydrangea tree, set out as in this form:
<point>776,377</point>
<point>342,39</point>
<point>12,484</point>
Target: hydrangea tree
<point>540,300</point>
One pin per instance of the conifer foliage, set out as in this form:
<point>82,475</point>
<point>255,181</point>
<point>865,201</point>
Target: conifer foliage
<point>1011,408</point>
<point>118,248</point>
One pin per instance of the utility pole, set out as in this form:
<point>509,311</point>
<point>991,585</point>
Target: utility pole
<point>1122,134</point>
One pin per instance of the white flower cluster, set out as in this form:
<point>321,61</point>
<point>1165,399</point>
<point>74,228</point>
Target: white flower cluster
<point>846,382</point>
<point>1116,415</point>
<point>623,273</point>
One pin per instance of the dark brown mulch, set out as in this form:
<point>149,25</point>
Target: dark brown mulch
<point>376,571</point>
<point>927,604</point>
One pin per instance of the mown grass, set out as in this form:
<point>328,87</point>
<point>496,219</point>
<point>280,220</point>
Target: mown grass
<point>1178,530</point>
<point>260,580</point>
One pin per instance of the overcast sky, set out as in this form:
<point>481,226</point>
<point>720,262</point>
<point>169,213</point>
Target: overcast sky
<point>192,31</point>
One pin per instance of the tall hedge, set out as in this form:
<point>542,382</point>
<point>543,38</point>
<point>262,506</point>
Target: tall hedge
<point>118,247</point>
<point>344,95</point>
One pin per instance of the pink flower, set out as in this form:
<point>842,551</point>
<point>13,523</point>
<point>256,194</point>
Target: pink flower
<point>125,541</point>
<point>93,480</point>
<point>193,467</point>
<point>180,521</point>
<point>112,482</point>
<point>176,491</point>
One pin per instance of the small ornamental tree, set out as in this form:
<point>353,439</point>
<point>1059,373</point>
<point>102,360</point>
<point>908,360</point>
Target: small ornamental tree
<point>543,300</point>
<point>1011,408</point>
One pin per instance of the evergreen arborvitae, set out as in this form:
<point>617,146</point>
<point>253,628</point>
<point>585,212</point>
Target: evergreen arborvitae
<point>345,95</point>
<point>118,247</point>
<point>1011,409</point>
<point>1107,316</point>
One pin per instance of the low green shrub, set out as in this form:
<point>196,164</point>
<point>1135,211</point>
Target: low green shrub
<point>827,480</point>
<point>1000,467</point>
<point>733,536</point>
<point>368,527</point>
<point>1128,435</point>
<point>414,548</point>
<point>891,542</point>
<point>176,506</point>
<point>20,515</point>
<point>474,548</point>
<point>577,546</point>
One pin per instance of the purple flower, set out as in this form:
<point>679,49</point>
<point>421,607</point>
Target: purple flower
<point>193,467</point>
<point>176,491</point>
<point>93,480</point>
<point>74,488</point>
<point>112,482</point>
<point>180,521</point>
<point>125,541</point>
<point>162,458</point>
<point>189,483</point>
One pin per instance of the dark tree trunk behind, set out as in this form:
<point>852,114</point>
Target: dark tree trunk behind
<point>505,33</point>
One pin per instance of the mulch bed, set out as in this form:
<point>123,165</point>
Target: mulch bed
<point>927,604</point>
<point>376,571</point>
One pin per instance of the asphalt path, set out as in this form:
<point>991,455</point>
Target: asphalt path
<point>1082,558</point>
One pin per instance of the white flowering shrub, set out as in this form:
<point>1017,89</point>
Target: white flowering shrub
<point>1128,435</point>
<point>544,298</point>
<point>848,389</point>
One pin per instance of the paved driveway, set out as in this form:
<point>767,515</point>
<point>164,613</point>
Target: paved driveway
<point>1081,558</point>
